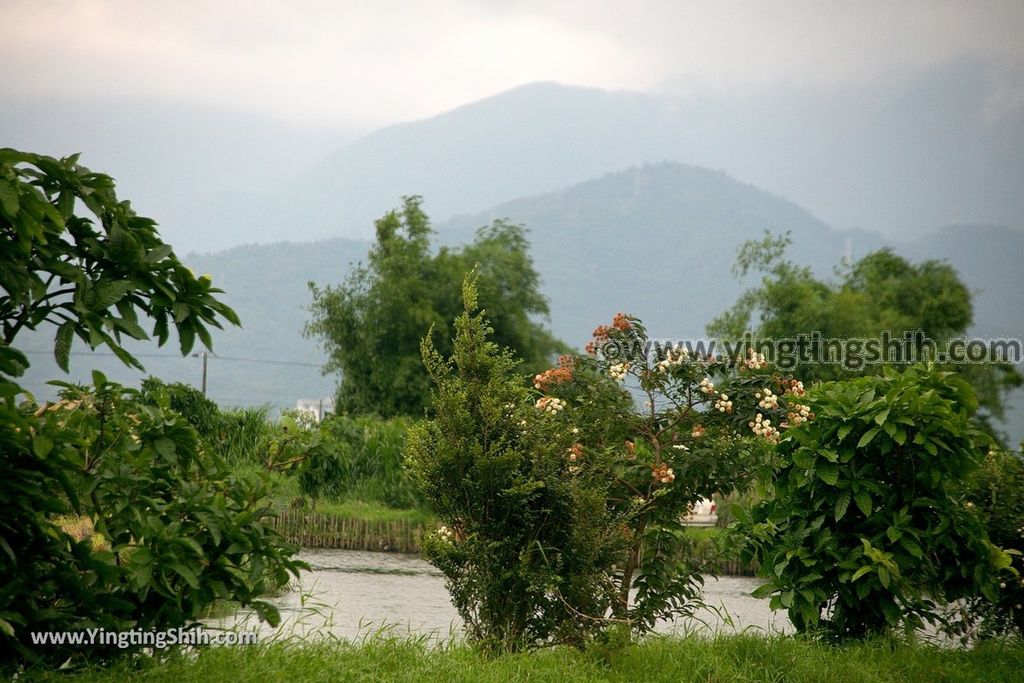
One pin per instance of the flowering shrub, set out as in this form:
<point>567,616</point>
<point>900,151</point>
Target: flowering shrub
<point>867,528</point>
<point>562,511</point>
<point>699,431</point>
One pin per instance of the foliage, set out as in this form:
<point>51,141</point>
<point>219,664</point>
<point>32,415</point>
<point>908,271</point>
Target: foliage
<point>562,506</point>
<point>182,532</point>
<point>363,461</point>
<point>90,276</point>
<point>997,492</point>
<point>189,402</point>
<point>520,563</point>
<point>200,537</point>
<point>864,530</point>
<point>372,324</point>
<point>880,292</point>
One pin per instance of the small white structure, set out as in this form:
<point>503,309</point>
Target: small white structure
<point>316,408</point>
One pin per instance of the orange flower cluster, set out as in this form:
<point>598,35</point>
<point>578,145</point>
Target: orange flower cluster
<point>551,377</point>
<point>663,473</point>
<point>630,450</point>
<point>603,332</point>
<point>575,452</point>
<point>698,431</point>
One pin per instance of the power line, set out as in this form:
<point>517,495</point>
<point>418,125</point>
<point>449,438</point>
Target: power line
<point>266,361</point>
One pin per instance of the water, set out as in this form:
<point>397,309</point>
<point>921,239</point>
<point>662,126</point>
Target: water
<point>351,594</point>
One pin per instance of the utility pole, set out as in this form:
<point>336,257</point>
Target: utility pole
<point>205,356</point>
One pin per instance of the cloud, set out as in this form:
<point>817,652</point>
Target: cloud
<point>367,64</point>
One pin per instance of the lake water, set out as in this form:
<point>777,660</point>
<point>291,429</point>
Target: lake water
<point>351,594</point>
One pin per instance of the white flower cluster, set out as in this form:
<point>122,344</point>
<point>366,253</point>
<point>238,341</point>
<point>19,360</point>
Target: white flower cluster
<point>550,405</point>
<point>798,414</point>
<point>753,361</point>
<point>795,387</point>
<point>446,534</point>
<point>768,400</point>
<point>618,371</point>
<point>706,386</point>
<point>723,404</point>
<point>663,473</point>
<point>672,357</point>
<point>763,427</point>
<point>680,447</point>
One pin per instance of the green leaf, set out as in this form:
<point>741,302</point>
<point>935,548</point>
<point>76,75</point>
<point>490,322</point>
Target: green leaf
<point>842,502</point>
<point>861,572</point>
<point>883,576</point>
<point>863,500</point>
<point>42,445</point>
<point>186,338</point>
<point>844,430</point>
<point>159,253</point>
<point>868,436</point>
<point>828,471</point>
<point>106,294</point>
<point>185,572</point>
<point>62,344</point>
<point>8,197</point>
<point>881,417</point>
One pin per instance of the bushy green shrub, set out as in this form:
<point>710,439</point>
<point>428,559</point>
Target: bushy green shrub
<point>187,401</point>
<point>866,529</point>
<point>523,548</point>
<point>997,492</point>
<point>180,531</point>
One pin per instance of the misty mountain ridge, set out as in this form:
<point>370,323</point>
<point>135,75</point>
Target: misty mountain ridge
<point>895,157</point>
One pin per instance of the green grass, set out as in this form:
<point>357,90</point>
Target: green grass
<point>728,658</point>
<point>372,512</point>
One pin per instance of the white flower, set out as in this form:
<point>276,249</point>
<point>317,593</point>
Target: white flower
<point>618,371</point>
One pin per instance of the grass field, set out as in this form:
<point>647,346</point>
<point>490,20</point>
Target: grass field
<point>728,658</point>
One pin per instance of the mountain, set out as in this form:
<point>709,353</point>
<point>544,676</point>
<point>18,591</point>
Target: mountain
<point>657,241</point>
<point>898,156</point>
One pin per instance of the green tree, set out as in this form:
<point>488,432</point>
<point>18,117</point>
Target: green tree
<point>371,325</point>
<point>91,276</point>
<point>868,528</point>
<point>880,292</point>
<point>99,452</point>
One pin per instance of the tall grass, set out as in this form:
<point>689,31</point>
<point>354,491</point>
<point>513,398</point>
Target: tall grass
<point>243,434</point>
<point>724,658</point>
<point>361,459</point>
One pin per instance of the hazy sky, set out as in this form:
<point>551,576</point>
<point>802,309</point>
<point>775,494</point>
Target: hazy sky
<point>365,64</point>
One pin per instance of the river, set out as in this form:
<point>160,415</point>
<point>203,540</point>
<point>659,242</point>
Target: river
<point>351,594</point>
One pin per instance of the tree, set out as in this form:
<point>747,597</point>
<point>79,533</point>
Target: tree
<point>91,276</point>
<point>867,529</point>
<point>371,325</point>
<point>880,292</point>
<point>199,535</point>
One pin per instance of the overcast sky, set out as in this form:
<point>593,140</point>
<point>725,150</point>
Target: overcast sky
<point>366,64</point>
